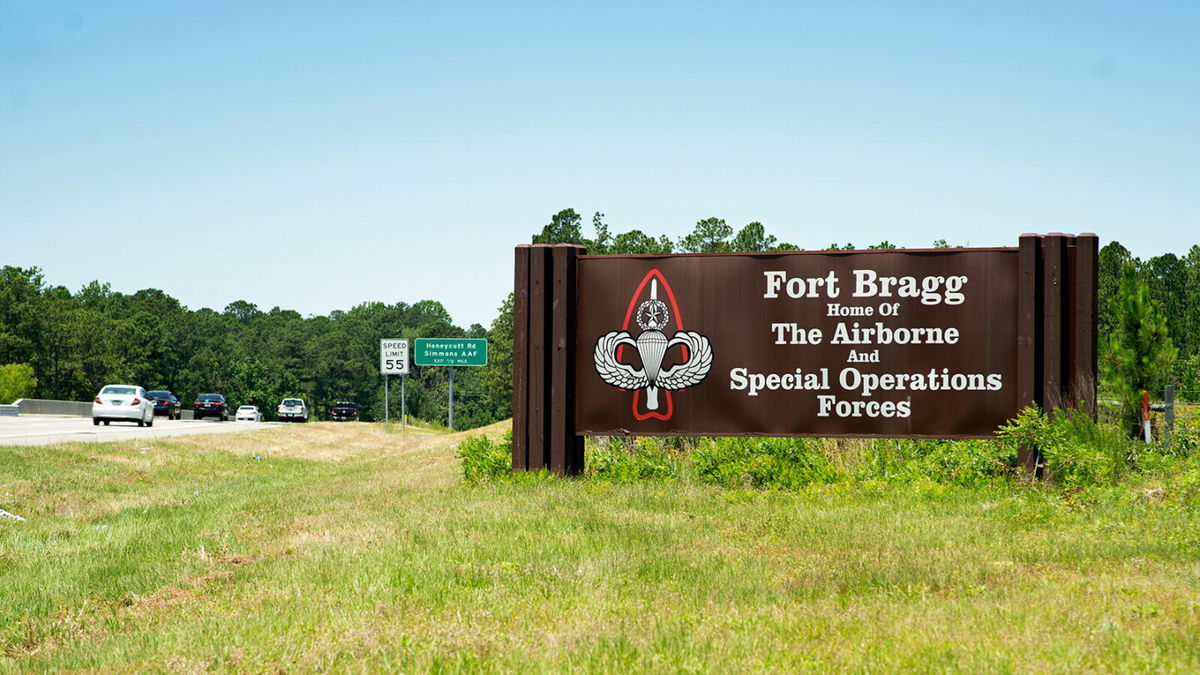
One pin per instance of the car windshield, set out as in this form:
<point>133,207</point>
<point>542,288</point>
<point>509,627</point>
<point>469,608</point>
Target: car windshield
<point>247,408</point>
<point>210,397</point>
<point>127,391</point>
<point>292,401</point>
<point>159,394</point>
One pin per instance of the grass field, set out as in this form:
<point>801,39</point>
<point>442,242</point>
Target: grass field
<point>343,548</point>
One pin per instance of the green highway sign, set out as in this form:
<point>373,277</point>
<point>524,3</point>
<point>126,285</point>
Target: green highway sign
<point>450,352</point>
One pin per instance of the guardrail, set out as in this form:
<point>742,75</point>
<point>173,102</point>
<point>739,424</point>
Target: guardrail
<point>45,406</point>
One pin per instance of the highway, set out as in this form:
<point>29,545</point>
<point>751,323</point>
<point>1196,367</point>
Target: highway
<point>52,429</point>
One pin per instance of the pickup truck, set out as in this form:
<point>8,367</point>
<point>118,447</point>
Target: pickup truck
<point>344,411</point>
<point>292,410</point>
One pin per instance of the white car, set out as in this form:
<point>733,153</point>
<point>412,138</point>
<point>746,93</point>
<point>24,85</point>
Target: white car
<point>292,410</point>
<point>123,403</point>
<point>248,413</point>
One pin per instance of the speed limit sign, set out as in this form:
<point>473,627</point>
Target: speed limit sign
<point>393,357</point>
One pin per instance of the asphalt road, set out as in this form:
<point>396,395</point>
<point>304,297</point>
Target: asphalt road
<point>51,429</point>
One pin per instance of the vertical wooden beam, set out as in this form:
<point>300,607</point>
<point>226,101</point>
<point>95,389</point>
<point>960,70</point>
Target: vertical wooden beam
<point>1081,323</point>
<point>1028,310</point>
<point>539,352</point>
<point>1029,315</point>
<point>563,440</point>
<point>574,440</point>
<point>1053,313</point>
<point>520,361</point>
<point>558,362</point>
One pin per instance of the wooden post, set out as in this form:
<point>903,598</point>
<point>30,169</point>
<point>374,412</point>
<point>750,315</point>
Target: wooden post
<point>520,359</point>
<point>1081,323</point>
<point>566,448</point>
<point>544,330</point>
<point>1029,321</point>
<point>539,352</point>
<point>1053,314</point>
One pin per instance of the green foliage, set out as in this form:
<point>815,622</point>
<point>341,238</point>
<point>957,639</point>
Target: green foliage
<point>1076,451</point>
<point>1138,353</point>
<point>188,554</point>
<point>774,463</point>
<point>497,374</point>
<point>972,463</point>
<point>16,381</point>
<point>76,343</point>
<point>710,236</point>
<point>753,237</point>
<point>483,459</point>
<point>636,242</point>
<point>564,228</point>
<point>621,460</point>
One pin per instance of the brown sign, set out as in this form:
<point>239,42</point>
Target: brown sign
<point>910,343</point>
<point>900,343</point>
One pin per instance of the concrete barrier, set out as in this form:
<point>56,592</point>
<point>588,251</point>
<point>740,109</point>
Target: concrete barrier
<point>42,406</point>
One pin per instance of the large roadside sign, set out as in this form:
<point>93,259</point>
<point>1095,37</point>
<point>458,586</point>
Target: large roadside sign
<point>934,343</point>
<point>450,352</point>
<point>393,356</point>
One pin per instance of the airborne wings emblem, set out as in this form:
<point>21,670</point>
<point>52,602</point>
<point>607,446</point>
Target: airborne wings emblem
<point>652,346</point>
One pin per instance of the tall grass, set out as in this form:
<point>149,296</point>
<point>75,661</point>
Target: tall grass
<point>347,549</point>
<point>1078,453</point>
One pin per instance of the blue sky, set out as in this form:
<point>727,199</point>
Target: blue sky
<point>317,155</point>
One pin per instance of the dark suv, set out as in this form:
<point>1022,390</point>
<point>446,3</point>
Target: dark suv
<point>165,403</point>
<point>344,411</point>
<point>210,405</point>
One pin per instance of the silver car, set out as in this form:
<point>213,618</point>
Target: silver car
<point>248,413</point>
<point>123,403</point>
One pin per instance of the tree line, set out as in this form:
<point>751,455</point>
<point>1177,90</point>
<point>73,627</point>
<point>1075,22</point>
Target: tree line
<point>64,345</point>
<point>74,343</point>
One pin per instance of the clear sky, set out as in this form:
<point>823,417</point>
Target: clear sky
<point>317,155</point>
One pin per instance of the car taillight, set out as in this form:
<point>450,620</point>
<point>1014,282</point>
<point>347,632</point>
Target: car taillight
<point>97,399</point>
<point>196,403</point>
<point>135,401</point>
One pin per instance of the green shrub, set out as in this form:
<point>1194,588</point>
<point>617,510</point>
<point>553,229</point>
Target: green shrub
<point>16,382</point>
<point>1077,451</point>
<point>483,459</point>
<point>957,462</point>
<point>777,463</point>
<point>643,458</point>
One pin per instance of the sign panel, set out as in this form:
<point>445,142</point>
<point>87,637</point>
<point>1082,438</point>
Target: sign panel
<point>393,357</point>
<point>896,343</point>
<point>450,352</point>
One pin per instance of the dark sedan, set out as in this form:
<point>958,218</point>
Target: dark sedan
<point>210,405</point>
<point>165,403</point>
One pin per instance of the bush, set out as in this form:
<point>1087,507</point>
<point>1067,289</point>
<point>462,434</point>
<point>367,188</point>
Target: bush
<point>957,462</point>
<point>483,459</point>
<point>16,382</point>
<point>642,458</point>
<point>1077,451</point>
<point>782,463</point>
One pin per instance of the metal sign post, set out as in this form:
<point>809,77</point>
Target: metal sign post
<point>393,360</point>
<point>451,398</point>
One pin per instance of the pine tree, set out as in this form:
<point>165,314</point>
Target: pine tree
<point>1139,353</point>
